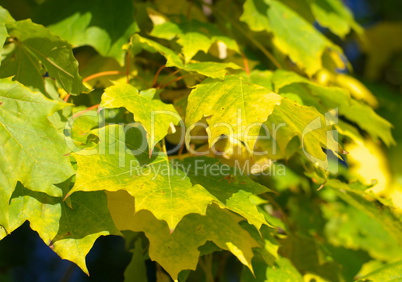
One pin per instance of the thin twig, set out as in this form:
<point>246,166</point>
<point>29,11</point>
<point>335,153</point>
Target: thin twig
<point>245,62</point>
<point>173,81</point>
<point>128,60</point>
<point>180,151</point>
<point>157,75</point>
<point>66,98</point>
<point>168,76</point>
<point>93,76</point>
<point>100,74</point>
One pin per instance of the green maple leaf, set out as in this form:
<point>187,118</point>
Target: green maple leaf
<point>293,35</point>
<point>103,24</point>
<point>310,127</point>
<point>389,272</point>
<point>192,35</point>
<point>40,209</point>
<point>233,189</point>
<point>355,194</point>
<point>234,108</point>
<point>191,40</point>
<point>356,111</point>
<point>5,17</point>
<point>296,37</point>
<point>254,14</point>
<point>81,225</point>
<point>69,231</point>
<point>156,185</point>
<point>153,114</point>
<point>282,270</point>
<point>334,15</point>
<point>178,251</point>
<point>346,225</point>
<point>328,98</point>
<point>37,51</point>
<point>210,69</point>
<point>32,149</point>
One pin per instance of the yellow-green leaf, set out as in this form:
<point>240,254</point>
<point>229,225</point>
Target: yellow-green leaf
<point>334,15</point>
<point>210,69</point>
<point>102,24</point>
<point>230,186</point>
<point>153,114</point>
<point>178,251</point>
<point>234,107</point>
<point>192,35</point>
<point>156,185</point>
<point>32,150</point>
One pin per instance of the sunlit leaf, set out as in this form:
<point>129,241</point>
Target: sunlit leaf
<point>69,231</point>
<point>233,107</point>
<point>334,15</point>
<point>193,35</point>
<point>312,129</point>
<point>390,272</point>
<point>326,99</point>
<point>177,251</point>
<point>230,186</point>
<point>153,114</point>
<point>210,69</point>
<point>153,182</point>
<point>32,150</point>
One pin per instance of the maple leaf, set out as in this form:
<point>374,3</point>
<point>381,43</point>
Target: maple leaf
<point>156,185</point>
<point>210,69</point>
<point>234,108</point>
<point>310,126</point>
<point>153,114</point>
<point>5,17</point>
<point>329,98</point>
<point>32,150</point>
<point>234,193</point>
<point>192,35</point>
<point>177,251</point>
<point>71,230</point>
<point>102,24</point>
<point>292,34</point>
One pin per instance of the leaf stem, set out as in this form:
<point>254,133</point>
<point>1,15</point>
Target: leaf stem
<point>180,153</point>
<point>173,81</point>
<point>164,146</point>
<point>157,75</point>
<point>66,98</point>
<point>245,62</point>
<point>170,75</point>
<point>100,74</point>
<point>128,60</point>
<point>96,75</point>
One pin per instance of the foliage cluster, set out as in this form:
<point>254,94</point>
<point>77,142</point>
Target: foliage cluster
<point>75,165</point>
